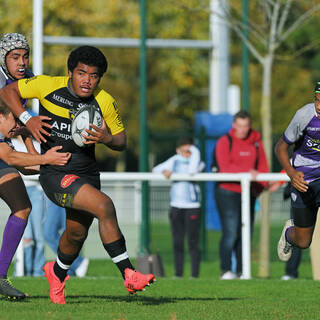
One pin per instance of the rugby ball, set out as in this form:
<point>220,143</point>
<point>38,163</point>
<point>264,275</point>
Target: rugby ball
<point>81,122</point>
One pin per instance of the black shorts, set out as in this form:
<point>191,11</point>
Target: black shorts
<point>305,205</point>
<point>308,199</point>
<point>61,188</point>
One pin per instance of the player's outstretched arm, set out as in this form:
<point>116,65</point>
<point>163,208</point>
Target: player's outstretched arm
<point>23,159</point>
<point>10,95</point>
<point>55,158</point>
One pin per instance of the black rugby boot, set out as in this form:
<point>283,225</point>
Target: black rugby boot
<point>8,290</point>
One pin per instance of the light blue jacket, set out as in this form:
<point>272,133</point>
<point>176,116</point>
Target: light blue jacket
<point>183,194</point>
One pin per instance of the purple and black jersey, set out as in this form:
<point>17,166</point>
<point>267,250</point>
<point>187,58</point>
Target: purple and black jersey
<point>304,132</point>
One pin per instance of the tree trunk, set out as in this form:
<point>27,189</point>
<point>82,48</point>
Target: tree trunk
<point>266,107</point>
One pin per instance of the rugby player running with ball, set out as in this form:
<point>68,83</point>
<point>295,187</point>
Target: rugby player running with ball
<point>76,186</point>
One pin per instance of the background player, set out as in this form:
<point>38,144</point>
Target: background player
<point>304,133</point>
<point>14,62</point>
<point>77,186</point>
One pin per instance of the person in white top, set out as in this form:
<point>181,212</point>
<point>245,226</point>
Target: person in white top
<point>185,205</point>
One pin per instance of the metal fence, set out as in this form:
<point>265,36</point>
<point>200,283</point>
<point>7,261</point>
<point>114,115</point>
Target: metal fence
<point>125,190</point>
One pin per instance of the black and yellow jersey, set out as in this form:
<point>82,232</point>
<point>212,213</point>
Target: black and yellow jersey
<point>59,103</point>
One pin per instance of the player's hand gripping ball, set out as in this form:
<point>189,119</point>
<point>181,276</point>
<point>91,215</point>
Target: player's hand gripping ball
<point>81,122</point>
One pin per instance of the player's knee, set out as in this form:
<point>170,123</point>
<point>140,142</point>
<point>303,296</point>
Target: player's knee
<point>303,243</point>
<point>106,209</point>
<point>23,213</point>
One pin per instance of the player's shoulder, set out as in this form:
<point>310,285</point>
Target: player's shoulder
<point>44,82</point>
<point>103,97</point>
<point>58,81</point>
<point>307,108</point>
<point>305,113</point>
<point>43,78</point>
<point>54,80</point>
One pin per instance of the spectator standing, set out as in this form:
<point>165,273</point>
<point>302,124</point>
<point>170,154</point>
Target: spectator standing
<point>185,204</point>
<point>241,150</point>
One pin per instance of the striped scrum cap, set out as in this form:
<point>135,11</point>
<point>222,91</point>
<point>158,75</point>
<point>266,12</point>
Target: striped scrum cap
<point>317,87</point>
<point>9,42</point>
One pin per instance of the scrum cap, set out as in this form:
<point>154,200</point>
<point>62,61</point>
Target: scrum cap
<point>9,42</point>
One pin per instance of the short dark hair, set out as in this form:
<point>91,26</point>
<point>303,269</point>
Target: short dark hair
<point>90,56</point>
<point>184,140</point>
<point>242,114</point>
<point>4,109</point>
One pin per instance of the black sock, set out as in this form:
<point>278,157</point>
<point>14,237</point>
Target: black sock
<point>118,252</point>
<point>62,265</point>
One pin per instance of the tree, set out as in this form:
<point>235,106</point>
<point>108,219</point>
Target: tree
<point>177,78</point>
<point>272,27</point>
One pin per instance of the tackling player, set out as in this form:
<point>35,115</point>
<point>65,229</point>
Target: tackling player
<point>303,133</point>
<point>14,60</point>
<point>77,186</point>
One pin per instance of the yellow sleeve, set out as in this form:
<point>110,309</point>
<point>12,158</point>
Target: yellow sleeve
<point>30,88</point>
<point>110,112</point>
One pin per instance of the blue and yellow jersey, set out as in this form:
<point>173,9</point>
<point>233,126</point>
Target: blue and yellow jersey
<point>59,103</point>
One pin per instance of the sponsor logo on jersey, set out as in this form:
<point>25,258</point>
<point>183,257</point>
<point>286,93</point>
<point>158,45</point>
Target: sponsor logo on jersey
<point>68,179</point>
<point>313,128</point>
<point>60,135</point>
<point>314,144</point>
<point>62,100</point>
<point>80,105</point>
<point>30,79</point>
<point>84,105</point>
<point>61,126</point>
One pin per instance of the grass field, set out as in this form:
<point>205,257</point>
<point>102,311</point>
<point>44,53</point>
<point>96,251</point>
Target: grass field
<point>101,295</point>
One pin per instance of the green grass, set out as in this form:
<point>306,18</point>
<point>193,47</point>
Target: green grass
<point>101,294</point>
